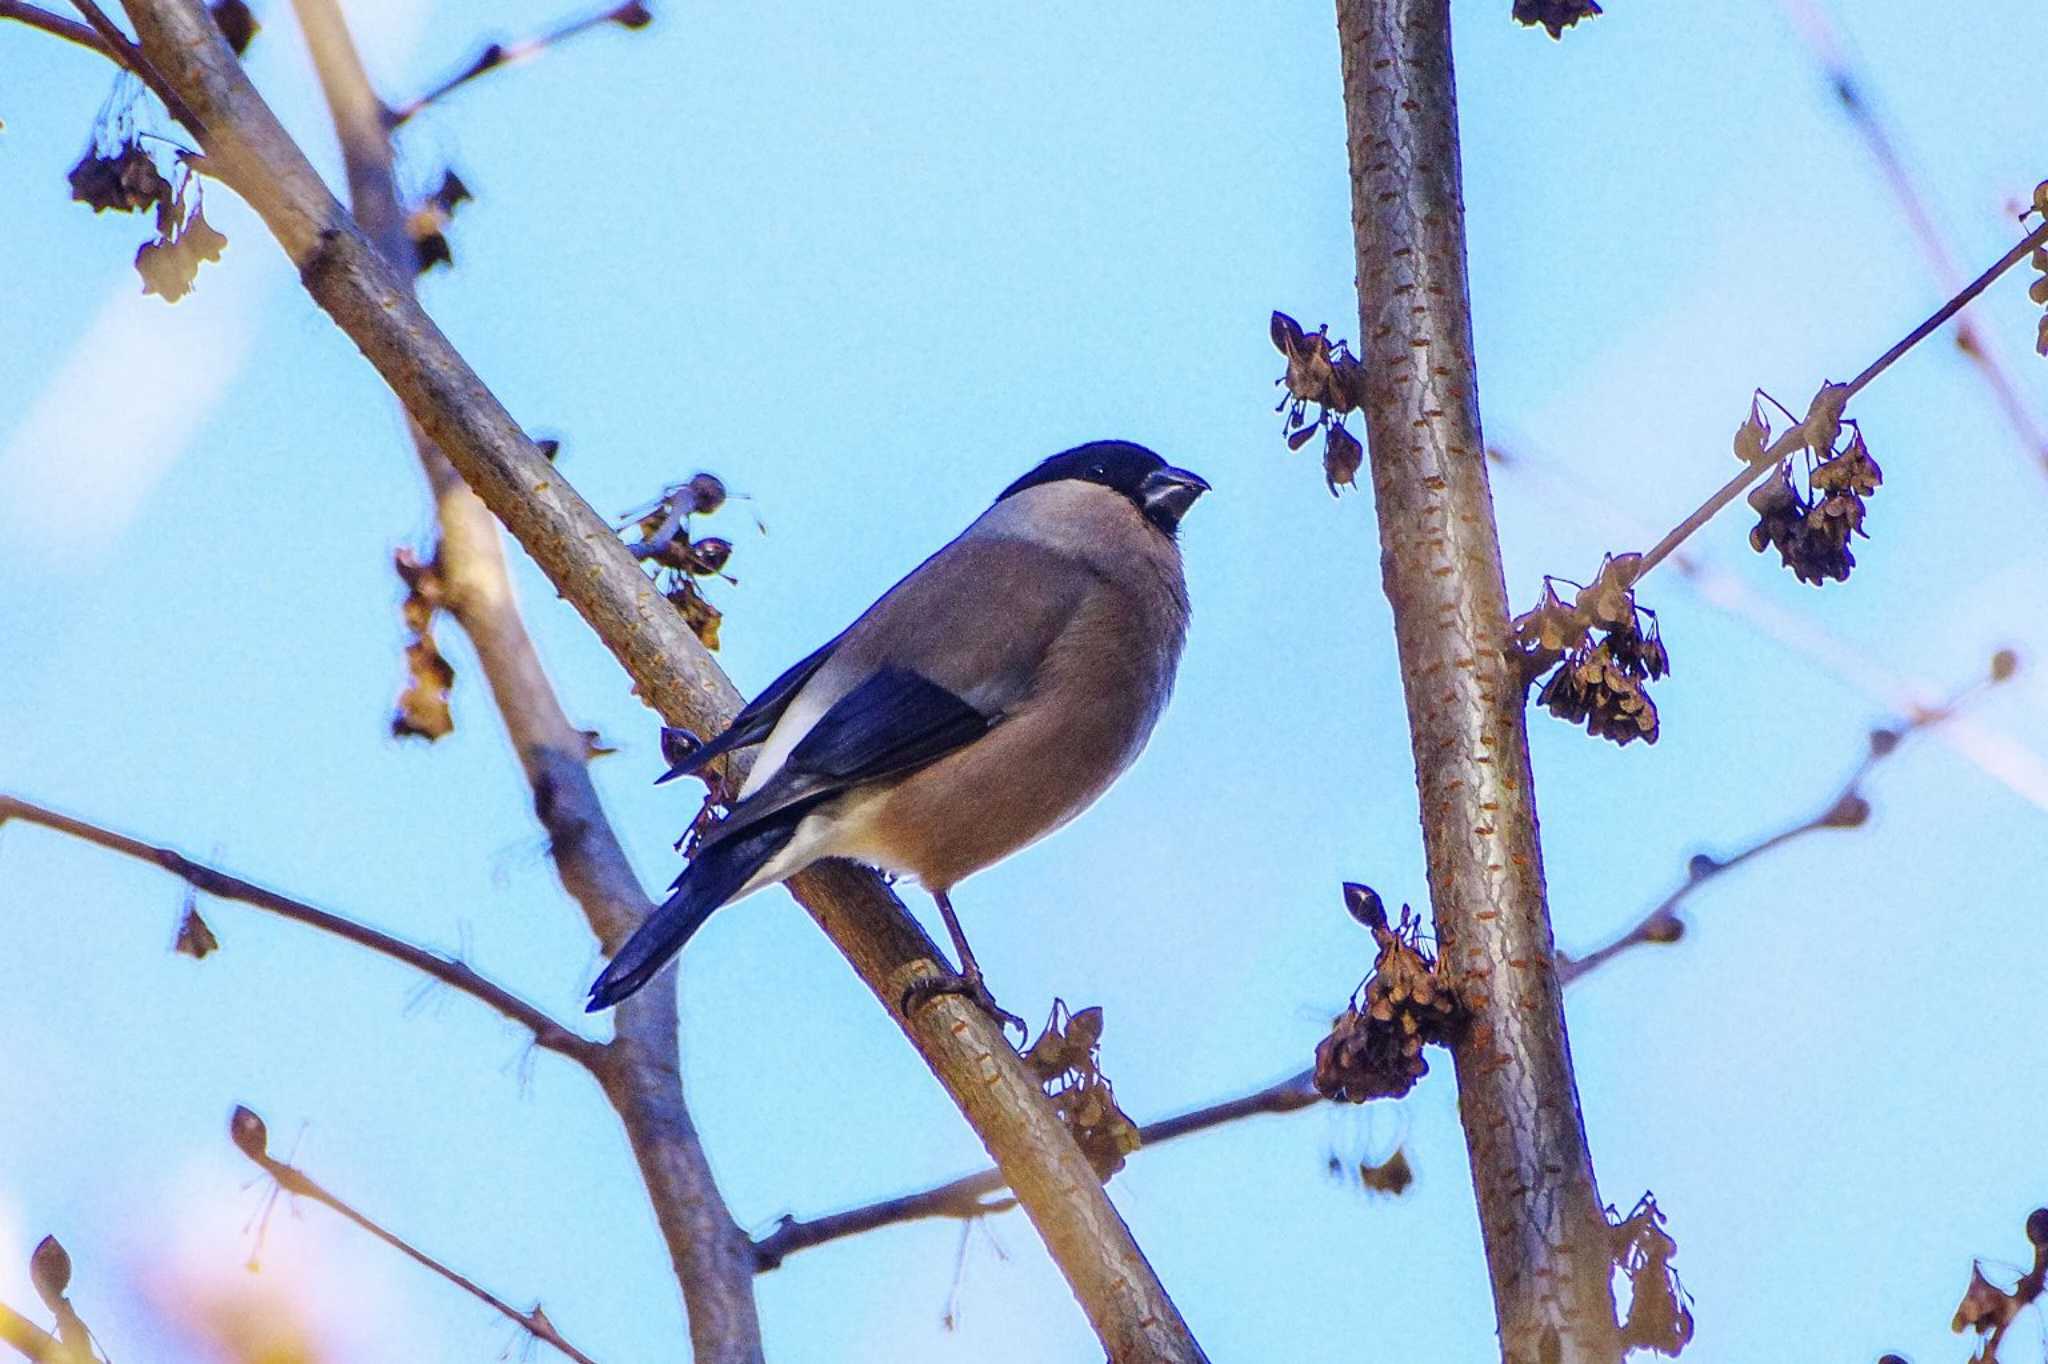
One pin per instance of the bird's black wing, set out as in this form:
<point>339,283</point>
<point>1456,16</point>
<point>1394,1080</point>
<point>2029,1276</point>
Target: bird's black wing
<point>892,723</point>
<point>757,718</point>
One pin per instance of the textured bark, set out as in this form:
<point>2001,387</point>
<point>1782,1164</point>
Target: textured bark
<point>578,551</point>
<point>1539,1209</point>
<point>641,1070</point>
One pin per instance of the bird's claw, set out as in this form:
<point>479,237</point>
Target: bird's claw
<point>970,987</point>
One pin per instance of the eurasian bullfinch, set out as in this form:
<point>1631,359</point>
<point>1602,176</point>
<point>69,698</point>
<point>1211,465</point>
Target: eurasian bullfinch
<point>983,702</point>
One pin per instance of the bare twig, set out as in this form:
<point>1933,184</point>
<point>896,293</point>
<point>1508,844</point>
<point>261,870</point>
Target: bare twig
<point>251,1138</point>
<point>32,1341</point>
<point>970,1196</point>
<point>1810,17</point>
<point>643,1074</point>
<point>1846,809</point>
<point>68,29</point>
<point>632,14</point>
<point>123,50</point>
<point>547,1033</point>
<point>1539,1209</point>
<point>583,558</point>
<point>1789,443</point>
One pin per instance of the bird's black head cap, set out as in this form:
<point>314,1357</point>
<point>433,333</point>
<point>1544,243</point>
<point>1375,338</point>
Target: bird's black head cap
<point>1157,489</point>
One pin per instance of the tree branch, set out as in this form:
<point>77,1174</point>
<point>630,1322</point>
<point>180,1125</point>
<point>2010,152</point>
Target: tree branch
<point>633,14</point>
<point>581,555</point>
<point>68,29</point>
<point>34,1343</point>
<point>1789,443</point>
<point>547,1033</point>
<point>642,1076</point>
<point>968,1196</point>
<point>1539,1210</point>
<point>251,1138</point>
<point>123,50</point>
<point>1846,809</point>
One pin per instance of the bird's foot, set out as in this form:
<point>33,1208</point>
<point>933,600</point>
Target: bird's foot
<point>969,986</point>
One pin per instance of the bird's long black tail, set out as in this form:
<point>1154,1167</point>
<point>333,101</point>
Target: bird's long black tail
<point>716,874</point>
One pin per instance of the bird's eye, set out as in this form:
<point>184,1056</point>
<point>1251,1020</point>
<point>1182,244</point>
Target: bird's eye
<point>1098,472</point>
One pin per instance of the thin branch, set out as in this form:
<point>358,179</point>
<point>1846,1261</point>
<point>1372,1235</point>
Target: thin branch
<point>582,556</point>
<point>34,1343</point>
<point>124,50</point>
<point>642,1077</point>
<point>969,1196</point>
<point>68,29</point>
<point>1846,809</point>
<point>547,1033</point>
<point>1789,443</point>
<point>251,1138</point>
<point>1998,755</point>
<point>1547,1244</point>
<point>1811,19</point>
<point>632,14</point>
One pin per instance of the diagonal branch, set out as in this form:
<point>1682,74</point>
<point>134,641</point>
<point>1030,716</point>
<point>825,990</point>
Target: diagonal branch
<point>70,30</point>
<point>632,14</point>
<point>970,1196</point>
<point>643,1074</point>
<point>252,1139</point>
<point>1547,1246</point>
<point>34,1343</point>
<point>547,1033</point>
<point>580,554</point>
<point>1795,436</point>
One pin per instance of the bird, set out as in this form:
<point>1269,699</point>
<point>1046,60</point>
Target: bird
<point>981,703</point>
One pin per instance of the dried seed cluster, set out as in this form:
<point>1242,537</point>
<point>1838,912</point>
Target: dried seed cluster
<point>1374,1050</point>
<point>423,711</point>
<point>1328,375</point>
<point>427,225</point>
<point>1659,1309</point>
<point>1066,1059</point>
<point>2038,290</point>
<point>1604,648</point>
<point>664,527</point>
<point>1387,1178</point>
<point>1990,1310</point>
<point>1554,15</point>
<point>1811,528</point>
<point>127,179</point>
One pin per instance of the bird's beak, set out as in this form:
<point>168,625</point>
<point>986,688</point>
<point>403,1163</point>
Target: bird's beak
<point>1168,493</point>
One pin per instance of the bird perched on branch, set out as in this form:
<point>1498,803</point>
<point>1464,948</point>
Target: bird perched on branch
<point>983,702</point>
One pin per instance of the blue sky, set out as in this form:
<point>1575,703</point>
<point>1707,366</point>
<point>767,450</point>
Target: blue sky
<point>867,265</point>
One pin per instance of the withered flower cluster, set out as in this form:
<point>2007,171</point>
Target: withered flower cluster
<point>128,180</point>
<point>665,541</point>
<point>422,711</point>
<point>2038,290</point>
<point>1659,1308</point>
<point>1990,1310</point>
<point>1066,1059</point>
<point>1374,1050</point>
<point>1554,15</point>
<point>1811,529</point>
<point>1604,648</point>
<point>427,225</point>
<point>1327,374</point>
